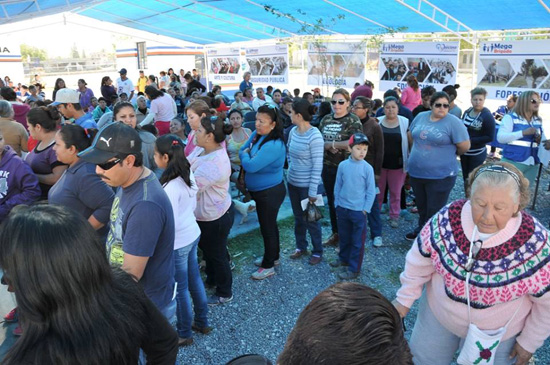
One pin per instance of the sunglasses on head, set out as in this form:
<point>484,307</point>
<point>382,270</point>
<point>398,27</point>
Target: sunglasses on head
<point>109,164</point>
<point>535,101</point>
<point>341,102</point>
<point>439,105</point>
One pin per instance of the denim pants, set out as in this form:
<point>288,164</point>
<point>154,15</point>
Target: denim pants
<point>268,203</point>
<point>296,195</point>
<point>329,180</point>
<point>374,219</point>
<point>352,243</point>
<point>433,344</point>
<point>469,163</point>
<point>190,288</point>
<point>213,243</point>
<point>431,195</point>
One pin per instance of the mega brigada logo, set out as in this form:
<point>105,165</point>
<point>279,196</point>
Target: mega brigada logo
<point>497,48</point>
<point>393,48</point>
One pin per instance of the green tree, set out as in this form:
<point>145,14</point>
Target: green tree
<point>33,52</point>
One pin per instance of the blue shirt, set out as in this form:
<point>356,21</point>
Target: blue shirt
<point>433,154</point>
<point>86,121</point>
<point>142,224</point>
<point>245,85</point>
<point>263,165</point>
<point>354,188</point>
<point>80,189</point>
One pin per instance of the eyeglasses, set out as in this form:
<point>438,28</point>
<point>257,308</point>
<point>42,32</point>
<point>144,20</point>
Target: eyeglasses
<point>535,101</point>
<point>109,164</point>
<point>439,105</point>
<point>340,102</point>
<point>476,247</point>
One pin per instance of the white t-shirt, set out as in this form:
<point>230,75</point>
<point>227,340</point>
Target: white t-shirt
<point>124,86</point>
<point>184,200</point>
<point>164,108</point>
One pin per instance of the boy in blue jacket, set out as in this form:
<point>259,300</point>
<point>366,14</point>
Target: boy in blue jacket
<point>354,194</point>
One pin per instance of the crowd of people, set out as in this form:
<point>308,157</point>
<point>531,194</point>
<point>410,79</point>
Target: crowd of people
<point>151,168</point>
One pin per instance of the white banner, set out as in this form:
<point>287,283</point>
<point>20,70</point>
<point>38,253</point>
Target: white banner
<point>267,64</point>
<point>224,65</point>
<point>433,63</point>
<point>509,68</point>
<point>11,62</point>
<point>336,64</point>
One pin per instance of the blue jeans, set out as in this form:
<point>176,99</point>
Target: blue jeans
<point>190,286</point>
<point>296,195</point>
<point>374,219</point>
<point>351,224</point>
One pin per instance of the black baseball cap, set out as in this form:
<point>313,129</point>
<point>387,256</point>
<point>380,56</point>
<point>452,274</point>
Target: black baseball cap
<point>123,71</point>
<point>358,138</point>
<point>116,139</point>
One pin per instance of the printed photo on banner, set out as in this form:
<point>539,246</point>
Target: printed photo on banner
<point>336,64</point>
<point>267,64</point>
<point>510,67</point>
<point>224,66</point>
<point>432,63</point>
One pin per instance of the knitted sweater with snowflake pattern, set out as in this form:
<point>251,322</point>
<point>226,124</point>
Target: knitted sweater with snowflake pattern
<point>512,271</point>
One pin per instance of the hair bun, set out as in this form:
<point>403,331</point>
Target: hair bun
<point>227,129</point>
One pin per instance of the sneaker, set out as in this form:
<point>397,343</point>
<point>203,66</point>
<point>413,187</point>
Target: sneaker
<point>348,275</point>
<point>314,259</point>
<point>182,342</point>
<point>394,223</point>
<point>262,273</point>
<point>332,240</point>
<point>297,254</point>
<point>216,300</point>
<point>204,330</point>
<point>12,316</point>
<point>411,236</point>
<point>337,263</point>
<point>259,260</point>
<point>377,241</point>
<point>17,331</point>
<point>384,209</point>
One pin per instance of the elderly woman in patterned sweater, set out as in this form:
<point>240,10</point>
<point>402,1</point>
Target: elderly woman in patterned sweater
<point>505,253</point>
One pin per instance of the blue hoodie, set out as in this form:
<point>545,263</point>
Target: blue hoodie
<point>18,184</point>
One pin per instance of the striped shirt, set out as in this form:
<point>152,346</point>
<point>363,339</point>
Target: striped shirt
<point>305,159</point>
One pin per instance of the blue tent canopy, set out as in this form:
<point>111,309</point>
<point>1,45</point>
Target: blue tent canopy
<point>224,21</point>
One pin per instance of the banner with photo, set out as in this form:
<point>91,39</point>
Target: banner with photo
<point>432,63</point>
<point>267,64</point>
<point>224,65</point>
<point>336,64</point>
<point>509,68</point>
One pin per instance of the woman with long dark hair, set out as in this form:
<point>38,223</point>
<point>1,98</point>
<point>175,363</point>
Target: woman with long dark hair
<point>163,109</point>
<point>179,184</point>
<point>107,89</point>
<point>42,125</point>
<point>214,211</point>
<point>262,158</point>
<point>87,313</point>
<point>59,84</point>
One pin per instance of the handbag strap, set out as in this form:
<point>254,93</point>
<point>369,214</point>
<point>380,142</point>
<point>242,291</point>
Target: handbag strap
<point>469,274</point>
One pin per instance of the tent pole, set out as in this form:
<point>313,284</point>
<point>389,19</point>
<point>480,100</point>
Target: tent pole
<point>474,60</point>
<point>536,187</point>
<point>303,61</point>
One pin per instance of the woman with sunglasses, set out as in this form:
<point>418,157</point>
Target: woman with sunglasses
<point>73,306</point>
<point>436,138</point>
<point>521,133</point>
<point>481,128</point>
<point>336,129</point>
<point>214,212</point>
<point>262,158</point>
<point>484,262</point>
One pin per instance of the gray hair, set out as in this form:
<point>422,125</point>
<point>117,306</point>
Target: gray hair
<point>6,110</point>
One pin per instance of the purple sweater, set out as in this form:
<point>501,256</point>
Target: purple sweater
<point>18,184</point>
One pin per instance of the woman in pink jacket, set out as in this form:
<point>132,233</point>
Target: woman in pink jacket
<point>485,264</point>
<point>410,97</point>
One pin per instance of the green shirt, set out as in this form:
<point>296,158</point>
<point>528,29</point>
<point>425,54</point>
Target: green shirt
<point>337,130</point>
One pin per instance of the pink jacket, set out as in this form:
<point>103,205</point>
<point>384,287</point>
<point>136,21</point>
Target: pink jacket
<point>410,98</point>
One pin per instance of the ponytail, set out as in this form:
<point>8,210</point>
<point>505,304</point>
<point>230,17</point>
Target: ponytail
<point>178,165</point>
